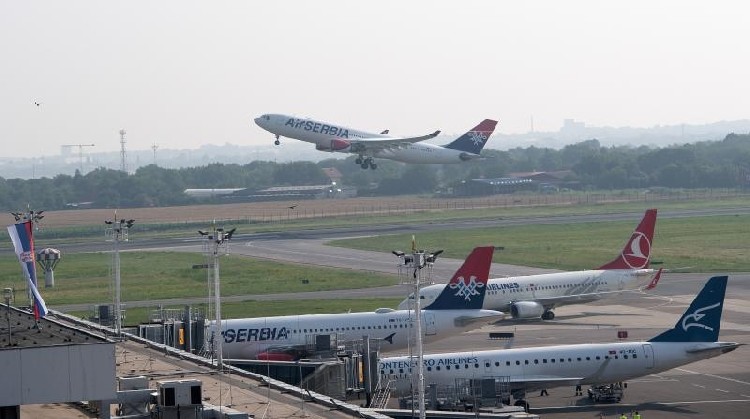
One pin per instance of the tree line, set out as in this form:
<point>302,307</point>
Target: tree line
<point>709,164</point>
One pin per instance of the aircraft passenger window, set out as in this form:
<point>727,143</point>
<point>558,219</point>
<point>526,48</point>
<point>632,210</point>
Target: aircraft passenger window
<point>466,366</point>
<point>552,360</point>
<point>562,359</point>
<point>635,356</point>
<point>625,356</point>
<point>400,370</point>
<point>437,368</point>
<point>544,361</point>
<point>588,358</point>
<point>487,364</point>
<point>507,364</point>
<point>579,358</point>
<point>605,357</point>
<point>616,357</point>
<point>571,360</point>
<point>476,365</point>
<point>429,368</point>
<point>526,361</point>
<point>305,330</point>
<point>598,357</point>
<point>518,362</point>
<point>536,361</point>
<point>447,367</point>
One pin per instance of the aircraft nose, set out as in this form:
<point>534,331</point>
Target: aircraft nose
<point>258,121</point>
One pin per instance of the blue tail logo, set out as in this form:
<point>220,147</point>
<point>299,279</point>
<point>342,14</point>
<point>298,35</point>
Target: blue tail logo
<point>701,321</point>
<point>474,140</point>
<point>466,289</point>
<point>697,316</point>
<point>462,293</point>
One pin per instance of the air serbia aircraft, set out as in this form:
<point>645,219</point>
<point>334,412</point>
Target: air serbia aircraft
<point>457,309</point>
<point>693,338</point>
<point>534,296</point>
<point>332,137</point>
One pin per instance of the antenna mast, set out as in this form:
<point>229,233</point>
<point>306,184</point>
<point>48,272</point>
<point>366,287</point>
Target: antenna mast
<point>123,164</point>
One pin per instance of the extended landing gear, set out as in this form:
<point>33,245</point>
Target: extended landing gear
<point>548,315</point>
<point>365,162</point>
<point>277,142</point>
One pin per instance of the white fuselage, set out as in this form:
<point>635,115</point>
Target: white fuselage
<point>246,338</point>
<point>322,134</point>
<point>550,366</point>
<point>550,290</point>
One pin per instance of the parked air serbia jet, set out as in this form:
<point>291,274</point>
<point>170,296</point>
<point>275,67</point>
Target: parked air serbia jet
<point>333,137</point>
<point>456,310</point>
<point>693,338</point>
<point>534,296</point>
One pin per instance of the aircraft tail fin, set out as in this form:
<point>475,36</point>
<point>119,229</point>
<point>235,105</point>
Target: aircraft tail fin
<point>701,321</point>
<point>637,252</point>
<point>467,287</point>
<point>475,139</point>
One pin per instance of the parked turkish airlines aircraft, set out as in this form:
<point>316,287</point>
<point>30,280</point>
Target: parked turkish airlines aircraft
<point>694,337</point>
<point>332,137</point>
<point>534,296</point>
<point>457,309</point>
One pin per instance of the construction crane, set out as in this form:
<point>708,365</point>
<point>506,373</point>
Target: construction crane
<point>80,152</point>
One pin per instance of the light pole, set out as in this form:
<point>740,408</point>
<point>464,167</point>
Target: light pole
<point>117,231</point>
<point>217,242</point>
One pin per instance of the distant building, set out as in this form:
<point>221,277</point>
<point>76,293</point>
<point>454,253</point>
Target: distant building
<point>481,187</point>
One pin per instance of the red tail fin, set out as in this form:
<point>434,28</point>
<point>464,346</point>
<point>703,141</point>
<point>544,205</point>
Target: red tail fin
<point>654,281</point>
<point>637,252</point>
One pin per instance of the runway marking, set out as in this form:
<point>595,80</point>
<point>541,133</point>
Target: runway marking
<point>714,376</point>
<point>745,395</point>
<point>623,405</point>
<point>722,390</point>
<point>698,385</point>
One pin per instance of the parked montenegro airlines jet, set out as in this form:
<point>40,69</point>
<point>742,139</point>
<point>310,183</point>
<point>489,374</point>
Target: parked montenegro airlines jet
<point>456,310</point>
<point>693,338</point>
<point>332,137</point>
<point>534,296</point>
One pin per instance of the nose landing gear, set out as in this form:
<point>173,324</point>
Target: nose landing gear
<point>277,142</point>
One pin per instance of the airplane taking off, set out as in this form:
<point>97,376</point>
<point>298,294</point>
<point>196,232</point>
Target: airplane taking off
<point>286,338</point>
<point>693,338</point>
<point>535,296</point>
<point>332,137</point>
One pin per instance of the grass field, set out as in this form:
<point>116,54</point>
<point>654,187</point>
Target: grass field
<point>698,244</point>
<point>86,278</point>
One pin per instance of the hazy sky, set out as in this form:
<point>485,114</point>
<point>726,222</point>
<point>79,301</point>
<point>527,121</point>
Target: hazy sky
<point>185,73</point>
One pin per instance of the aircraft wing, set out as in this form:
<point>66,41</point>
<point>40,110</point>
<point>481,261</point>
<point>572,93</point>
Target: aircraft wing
<point>378,144</point>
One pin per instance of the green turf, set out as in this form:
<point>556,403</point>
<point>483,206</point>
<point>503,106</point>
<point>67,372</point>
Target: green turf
<point>86,277</point>
<point>253,308</point>
<point>697,244</point>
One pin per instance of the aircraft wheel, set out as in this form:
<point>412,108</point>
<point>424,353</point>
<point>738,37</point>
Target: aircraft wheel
<point>548,315</point>
<point>358,160</point>
<point>363,165</point>
<point>277,142</point>
<point>373,166</point>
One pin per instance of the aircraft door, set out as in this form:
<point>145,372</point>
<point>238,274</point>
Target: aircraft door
<point>430,328</point>
<point>648,352</point>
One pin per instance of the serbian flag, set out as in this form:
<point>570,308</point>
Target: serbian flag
<point>23,242</point>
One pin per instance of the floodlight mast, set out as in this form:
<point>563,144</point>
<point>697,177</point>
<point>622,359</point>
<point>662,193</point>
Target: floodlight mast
<point>217,243</point>
<point>412,271</point>
<point>117,231</point>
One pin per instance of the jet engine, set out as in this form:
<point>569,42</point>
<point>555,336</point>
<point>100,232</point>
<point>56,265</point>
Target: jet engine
<point>526,310</point>
<point>337,144</point>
